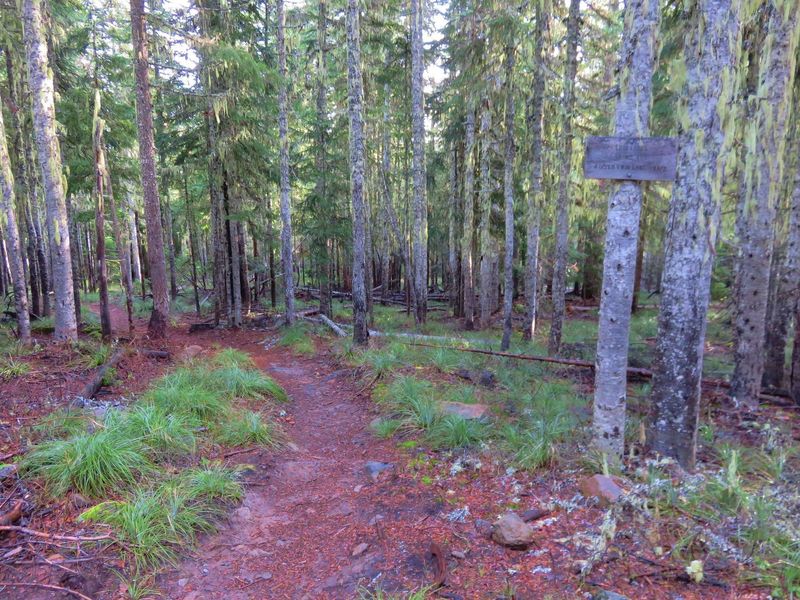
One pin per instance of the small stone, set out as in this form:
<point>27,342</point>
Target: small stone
<point>79,501</point>
<point>511,531</point>
<point>534,514</point>
<point>182,582</point>
<point>360,549</point>
<point>7,471</point>
<point>375,520</point>
<point>606,489</point>
<point>486,378</point>
<point>606,595</point>
<point>204,570</point>
<point>257,553</point>
<point>293,447</point>
<point>465,411</point>
<point>483,527</point>
<point>189,353</point>
<point>458,554</point>
<point>375,467</point>
<point>243,513</point>
<point>358,488</point>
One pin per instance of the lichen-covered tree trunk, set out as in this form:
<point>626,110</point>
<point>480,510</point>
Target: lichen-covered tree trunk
<point>355,97</point>
<point>320,158</point>
<point>420,205</point>
<point>484,227</point>
<point>12,241</point>
<point>287,264</point>
<point>706,124</point>
<point>765,134</point>
<point>508,196</point>
<point>133,238</point>
<point>565,172</point>
<point>469,217</point>
<point>100,177</point>
<point>632,118</point>
<point>786,288</point>
<point>147,158</point>
<point>536,189</point>
<point>123,249</point>
<point>452,239</point>
<point>42,100</point>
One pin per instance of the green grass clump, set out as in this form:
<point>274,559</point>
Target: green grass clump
<point>386,428</point>
<point>535,444</point>
<point>453,431</point>
<point>297,337</point>
<point>382,361</point>
<point>43,325</point>
<point>186,391</point>
<point>238,382</point>
<point>245,429</point>
<point>10,368</point>
<point>94,464</point>
<point>231,357</point>
<point>156,523</point>
<point>92,355</point>
<point>62,423</point>
<point>163,433</point>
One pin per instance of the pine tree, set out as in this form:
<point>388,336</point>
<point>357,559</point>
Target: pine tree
<point>420,232</point>
<point>632,119</point>
<point>42,99</point>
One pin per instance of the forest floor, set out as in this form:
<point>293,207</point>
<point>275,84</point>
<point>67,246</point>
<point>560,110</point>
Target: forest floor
<point>340,512</point>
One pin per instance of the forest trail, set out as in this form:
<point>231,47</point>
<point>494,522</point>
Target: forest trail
<point>313,503</point>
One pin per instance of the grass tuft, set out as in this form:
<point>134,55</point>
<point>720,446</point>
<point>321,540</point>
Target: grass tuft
<point>298,338</point>
<point>453,431</point>
<point>94,464</point>
<point>246,429</point>
<point>11,368</point>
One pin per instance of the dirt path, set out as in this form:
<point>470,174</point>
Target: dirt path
<point>295,534</point>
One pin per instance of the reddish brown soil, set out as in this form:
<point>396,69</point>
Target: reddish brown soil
<point>309,505</point>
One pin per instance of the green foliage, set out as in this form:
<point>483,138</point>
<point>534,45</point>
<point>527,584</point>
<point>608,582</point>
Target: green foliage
<point>185,392</point>
<point>11,368</point>
<point>92,355</point>
<point>298,338</point>
<point>61,423</point>
<point>163,433</point>
<point>245,429</point>
<point>155,523</point>
<point>453,431</point>
<point>94,464</point>
<point>534,444</point>
<point>43,325</point>
<point>386,428</point>
<point>412,400</point>
<point>237,382</point>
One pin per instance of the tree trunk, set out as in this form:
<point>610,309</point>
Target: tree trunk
<point>133,248</point>
<point>452,239</point>
<point>536,189</point>
<point>565,162</point>
<point>469,217</point>
<point>420,204</point>
<point>632,118</point>
<point>100,177</point>
<point>765,124</point>
<point>75,257</point>
<point>787,277</point>
<point>286,207</point>
<point>152,208</point>
<point>356,113</point>
<point>485,203</point>
<point>508,195</point>
<point>13,245</point>
<point>711,56</point>
<point>42,99</point>
<point>123,249</point>
<point>321,159</point>
<point>192,243</point>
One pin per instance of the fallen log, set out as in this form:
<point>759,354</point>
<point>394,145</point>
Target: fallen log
<point>568,362</point>
<point>156,353</point>
<point>336,329</point>
<point>91,388</point>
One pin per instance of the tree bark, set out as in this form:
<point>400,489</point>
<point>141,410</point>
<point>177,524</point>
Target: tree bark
<point>356,113</point>
<point>321,159</point>
<point>152,208</point>
<point>469,217</point>
<point>536,189</point>
<point>12,241</point>
<point>453,250</point>
<point>766,125</point>
<point>565,172</point>
<point>100,177</point>
<point>705,120</point>
<point>420,204</point>
<point>508,195</point>
<point>485,203</point>
<point>42,99</point>
<point>286,207</point>
<point>632,118</point>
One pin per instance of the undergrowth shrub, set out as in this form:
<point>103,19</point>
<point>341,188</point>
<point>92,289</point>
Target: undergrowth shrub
<point>453,431</point>
<point>247,428</point>
<point>11,368</point>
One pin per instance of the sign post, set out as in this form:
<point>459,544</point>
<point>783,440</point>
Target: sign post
<point>630,159</point>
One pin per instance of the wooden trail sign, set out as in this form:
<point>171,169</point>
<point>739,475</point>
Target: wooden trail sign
<point>633,159</point>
